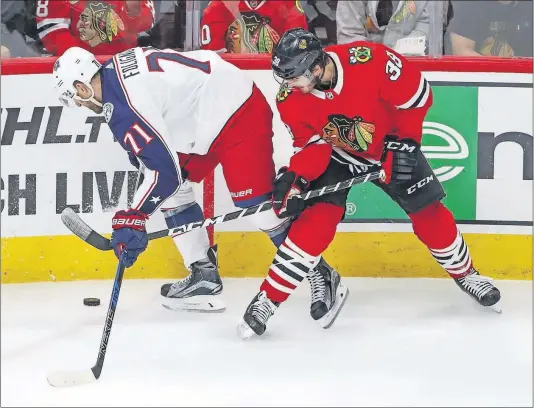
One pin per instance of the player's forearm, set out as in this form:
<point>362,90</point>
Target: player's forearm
<point>156,188</point>
<point>410,122</point>
<point>311,161</point>
<point>162,176</point>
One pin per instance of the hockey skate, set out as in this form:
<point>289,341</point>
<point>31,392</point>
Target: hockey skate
<point>481,289</point>
<point>199,291</point>
<point>328,295</point>
<point>256,316</point>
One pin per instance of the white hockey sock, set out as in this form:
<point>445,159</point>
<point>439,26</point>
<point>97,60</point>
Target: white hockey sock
<point>194,245</point>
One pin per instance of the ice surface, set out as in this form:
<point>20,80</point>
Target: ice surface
<point>398,342</point>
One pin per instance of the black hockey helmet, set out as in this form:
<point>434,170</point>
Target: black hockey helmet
<point>297,52</point>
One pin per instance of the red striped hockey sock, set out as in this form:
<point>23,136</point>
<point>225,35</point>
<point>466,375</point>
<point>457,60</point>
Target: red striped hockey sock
<point>308,237</point>
<point>455,258</point>
<point>290,266</point>
<point>436,228</point>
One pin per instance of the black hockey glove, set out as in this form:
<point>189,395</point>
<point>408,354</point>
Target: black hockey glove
<point>286,185</point>
<point>399,159</point>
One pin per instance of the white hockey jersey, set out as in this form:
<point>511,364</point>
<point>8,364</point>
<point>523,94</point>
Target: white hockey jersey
<point>159,102</point>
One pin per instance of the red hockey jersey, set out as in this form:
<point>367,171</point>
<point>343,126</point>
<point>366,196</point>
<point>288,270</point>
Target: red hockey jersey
<point>102,27</point>
<point>248,26</point>
<point>378,93</point>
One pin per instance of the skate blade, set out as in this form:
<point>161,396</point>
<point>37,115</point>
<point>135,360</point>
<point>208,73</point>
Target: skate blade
<point>201,304</point>
<point>244,331</point>
<point>341,297</point>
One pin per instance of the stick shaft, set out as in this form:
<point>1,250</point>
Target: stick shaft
<point>97,369</point>
<point>85,232</point>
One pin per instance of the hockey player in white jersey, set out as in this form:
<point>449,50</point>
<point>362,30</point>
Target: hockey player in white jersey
<point>180,115</point>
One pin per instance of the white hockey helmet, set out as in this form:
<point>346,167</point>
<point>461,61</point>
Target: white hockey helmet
<point>76,64</point>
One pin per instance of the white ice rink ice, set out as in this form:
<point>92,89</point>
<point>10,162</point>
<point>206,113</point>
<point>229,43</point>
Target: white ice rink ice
<point>398,342</point>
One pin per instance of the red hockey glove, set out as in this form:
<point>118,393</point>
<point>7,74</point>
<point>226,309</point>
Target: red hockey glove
<point>129,234</point>
<point>399,159</point>
<point>286,185</point>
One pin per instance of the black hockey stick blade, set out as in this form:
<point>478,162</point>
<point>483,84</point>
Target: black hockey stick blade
<point>69,378</point>
<point>73,221</point>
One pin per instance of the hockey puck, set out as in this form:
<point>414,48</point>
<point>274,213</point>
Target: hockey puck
<point>91,302</point>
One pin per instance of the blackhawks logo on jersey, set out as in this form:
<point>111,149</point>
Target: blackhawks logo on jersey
<point>349,134</point>
<point>359,55</point>
<point>283,92</point>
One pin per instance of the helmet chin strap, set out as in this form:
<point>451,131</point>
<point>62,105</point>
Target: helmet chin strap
<point>91,98</point>
<point>319,79</point>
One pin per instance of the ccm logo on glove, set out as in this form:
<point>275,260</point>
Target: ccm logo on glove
<point>399,160</point>
<point>401,147</point>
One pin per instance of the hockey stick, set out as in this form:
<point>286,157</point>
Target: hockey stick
<point>73,221</point>
<point>78,377</point>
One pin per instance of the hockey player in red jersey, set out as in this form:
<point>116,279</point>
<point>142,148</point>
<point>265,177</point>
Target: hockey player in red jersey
<point>102,27</point>
<point>348,107</point>
<point>248,26</point>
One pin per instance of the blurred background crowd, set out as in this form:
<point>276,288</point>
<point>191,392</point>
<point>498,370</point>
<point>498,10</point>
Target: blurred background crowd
<point>32,28</point>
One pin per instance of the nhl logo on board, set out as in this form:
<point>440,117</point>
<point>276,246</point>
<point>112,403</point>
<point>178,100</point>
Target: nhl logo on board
<point>107,109</point>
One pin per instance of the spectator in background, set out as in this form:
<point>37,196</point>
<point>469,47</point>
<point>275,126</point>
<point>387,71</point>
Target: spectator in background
<point>321,15</point>
<point>102,27</point>
<point>13,30</point>
<point>248,26</point>
<point>492,28</point>
<point>401,25</point>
